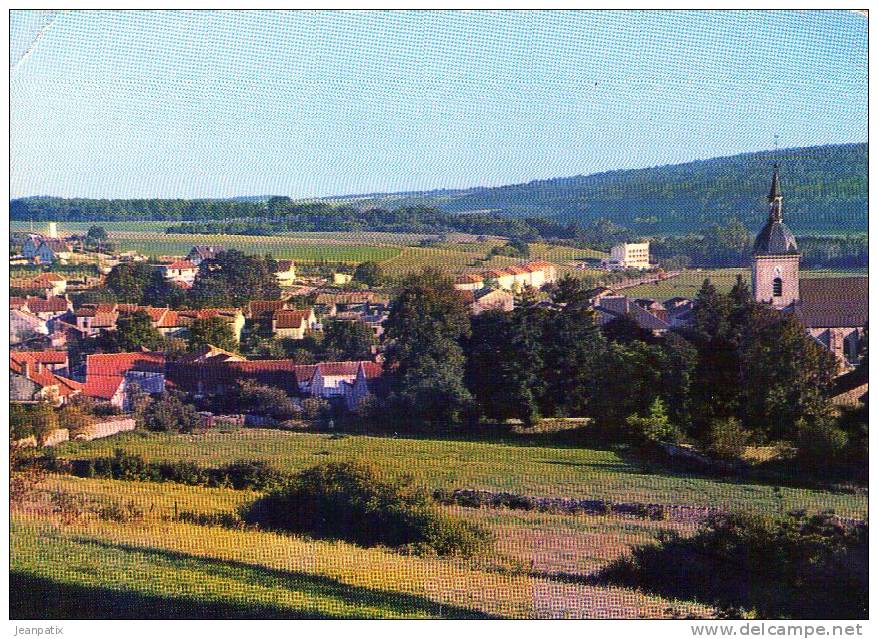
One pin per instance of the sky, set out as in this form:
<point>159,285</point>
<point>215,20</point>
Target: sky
<point>308,104</point>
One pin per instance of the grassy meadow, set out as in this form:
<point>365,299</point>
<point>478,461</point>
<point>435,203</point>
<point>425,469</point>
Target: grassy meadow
<point>514,466</point>
<point>155,566</point>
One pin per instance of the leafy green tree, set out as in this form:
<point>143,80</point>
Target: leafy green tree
<point>213,331</point>
<point>267,400</point>
<point>159,291</point>
<point>132,332</point>
<point>38,420</point>
<point>424,357</point>
<point>96,237</point>
<point>232,279</point>
<point>726,438</point>
<point>170,413</point>
<point>369,273</point>
<point>655,425</point>
<point>786,375</point>
<point>346,340</point>
<point>128,280</point>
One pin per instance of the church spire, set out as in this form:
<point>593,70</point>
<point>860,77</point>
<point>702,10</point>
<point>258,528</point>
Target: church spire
<point>775,199</point>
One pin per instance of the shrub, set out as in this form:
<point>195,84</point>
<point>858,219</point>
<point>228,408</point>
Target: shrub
<point>253,475</point>
<point>655,426</point>
<point>314,408</point>
<point>115,510</point>
<point>170,414</point>
<point>726,438</point>
<point>350,501</point>
<point>821,443</point>
<point>267,400</point>
<point>780,566</point>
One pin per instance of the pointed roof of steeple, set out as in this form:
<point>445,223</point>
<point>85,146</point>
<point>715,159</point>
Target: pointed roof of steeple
<point>775,184</point>
<point>775,238</point>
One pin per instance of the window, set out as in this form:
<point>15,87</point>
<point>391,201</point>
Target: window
<point>778,287</point>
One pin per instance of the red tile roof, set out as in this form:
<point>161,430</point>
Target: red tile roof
<point>349,369</point>
<point>49,305</point>
<point>43,357</point>
<point>17,302</point>
<point>210,376</point>
<point>291,319</point>
<point>117,364</point>
<point>260,308</point>
<point>469,278</point>
<point>181,265</point>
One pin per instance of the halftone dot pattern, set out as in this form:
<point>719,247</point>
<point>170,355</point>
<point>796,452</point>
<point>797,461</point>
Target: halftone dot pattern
<point>274,406</point>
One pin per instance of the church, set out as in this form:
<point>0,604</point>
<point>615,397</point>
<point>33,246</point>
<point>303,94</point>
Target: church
<point>834,310</point>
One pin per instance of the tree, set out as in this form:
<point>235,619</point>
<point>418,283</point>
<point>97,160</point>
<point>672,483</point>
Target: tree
<point>96,236</point>
<point>211,331</point>
<point>232,279</point>
<point>267,400</point>
<point>170,414</point>
<point>127,281</point>
<point>160,291</point>
<point>655,425</point>
<point>424,357</point>
<point>39,420</point>
<point>346,340</point>
<point>786,375</point>
<point>132,332</point>
<point>369,273</point>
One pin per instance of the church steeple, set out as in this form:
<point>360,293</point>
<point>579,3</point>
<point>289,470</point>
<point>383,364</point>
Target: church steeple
<point>775,199</point>
<point>775,255</point>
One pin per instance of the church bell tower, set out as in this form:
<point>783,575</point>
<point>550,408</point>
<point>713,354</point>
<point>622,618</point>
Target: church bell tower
<point>775,255</point>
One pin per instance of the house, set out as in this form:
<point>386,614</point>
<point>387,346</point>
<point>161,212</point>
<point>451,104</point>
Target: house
<point>32,381</point>
<point>340,279</point>
<point>501,277</point>
<point>541,272</point>
<point>54,361</point>
<point>851,389</point>
<point>24,326</point>
<point>263,310</point>
<point>50,284</point>
<point>213,376</point>
<point>51,250</point>
<point>92,319</point>
<point>110,376</point>
<point>286,272</point>
<point>329,380</point>
<point>200,253</point>
<point>629,255</point>
<point>293,324</point>
<point>176,323</point>
<point>834,311</point>
<point>487,299</point>
<point>210,353</point>
<point>48,308</point>
<point>180,271</point>
<point>366,384</point>
<point>364,302</point>
<point>469,282</point>
<point>614,307</point>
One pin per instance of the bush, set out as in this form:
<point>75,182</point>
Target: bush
<point>778,566</point>
<point>821,443</point>
<point>350,501</point>
<point>655,426</point>
<point>253,475</point>
<point>726,438</point>
<point>170,414</point>
<point>267,400</point>
<point>314,408</point>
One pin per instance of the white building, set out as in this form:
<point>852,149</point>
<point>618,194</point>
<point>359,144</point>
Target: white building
<point>629,256</point>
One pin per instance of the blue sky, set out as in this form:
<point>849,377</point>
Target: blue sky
<point>217,104</point>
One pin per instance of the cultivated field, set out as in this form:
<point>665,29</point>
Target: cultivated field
<point>544,471</point>
<point>157,566</point>
<point>689,282</point>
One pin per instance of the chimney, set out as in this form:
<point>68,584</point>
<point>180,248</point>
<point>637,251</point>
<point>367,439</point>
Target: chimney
<point>26,367</point>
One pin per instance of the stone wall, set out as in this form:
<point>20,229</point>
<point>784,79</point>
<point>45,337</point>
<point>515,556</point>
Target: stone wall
<point>106,429</point>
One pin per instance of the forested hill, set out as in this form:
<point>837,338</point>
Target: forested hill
<point>825,188</point>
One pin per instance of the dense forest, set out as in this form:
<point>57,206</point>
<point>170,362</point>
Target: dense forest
<point>825,191</point>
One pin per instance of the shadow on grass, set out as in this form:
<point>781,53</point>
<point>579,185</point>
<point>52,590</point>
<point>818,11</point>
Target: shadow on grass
<point>36,597</point>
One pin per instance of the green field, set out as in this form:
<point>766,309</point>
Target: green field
<point>157,567</point>
<point>689,282</point>
<point>525,469</point>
